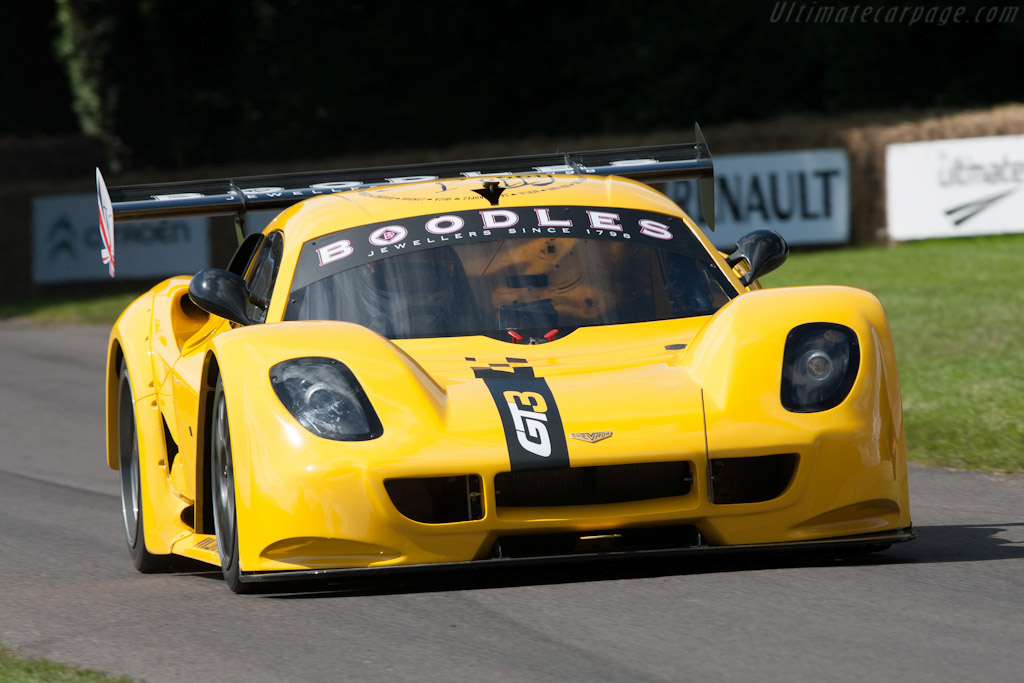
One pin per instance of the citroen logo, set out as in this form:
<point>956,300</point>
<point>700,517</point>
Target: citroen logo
<point>62,240</point>
<point>590,437</point>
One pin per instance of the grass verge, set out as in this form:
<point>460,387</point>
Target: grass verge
<point>15,669</point>
<point>957,317</point>
<point>64,309</point>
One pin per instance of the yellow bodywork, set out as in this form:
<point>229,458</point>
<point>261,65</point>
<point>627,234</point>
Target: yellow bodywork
<point>690,390</point>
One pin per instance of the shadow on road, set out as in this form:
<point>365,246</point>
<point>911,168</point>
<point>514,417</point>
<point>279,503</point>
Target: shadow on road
<point>965,543</point>
<point>430,581</point>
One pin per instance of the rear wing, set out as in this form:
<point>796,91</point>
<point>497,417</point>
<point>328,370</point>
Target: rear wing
<point>236,196</point>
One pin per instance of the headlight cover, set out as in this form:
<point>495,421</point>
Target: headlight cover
<point>325,398</point>
<point>819,366</point>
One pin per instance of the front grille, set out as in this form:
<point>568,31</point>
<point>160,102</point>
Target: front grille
<point>751,480</point>
<point>437,500</point>
<point>592,485</point>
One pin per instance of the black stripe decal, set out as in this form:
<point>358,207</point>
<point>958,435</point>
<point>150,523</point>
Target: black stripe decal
<point>529,417</point>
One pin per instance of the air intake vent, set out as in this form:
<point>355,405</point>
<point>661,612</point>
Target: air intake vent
<point>437,500</point>
<point>751,480</point>
<point>592,485</point>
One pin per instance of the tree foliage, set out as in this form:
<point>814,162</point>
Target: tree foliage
<point>184,83</point>
<point>83,44</point>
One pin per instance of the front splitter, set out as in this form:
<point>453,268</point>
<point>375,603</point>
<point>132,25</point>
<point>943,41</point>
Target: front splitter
<point>843,543</point>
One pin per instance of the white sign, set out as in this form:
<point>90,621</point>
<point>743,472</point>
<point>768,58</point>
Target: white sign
<point>955,188</point>
<point>804,195</point>
<point>66,243</point>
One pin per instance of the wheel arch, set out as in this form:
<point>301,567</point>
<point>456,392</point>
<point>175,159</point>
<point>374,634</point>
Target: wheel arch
<point>128,344</point>
<point>740,351</point>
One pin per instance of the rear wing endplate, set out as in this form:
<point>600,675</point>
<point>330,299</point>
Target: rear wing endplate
<point>236,196</point>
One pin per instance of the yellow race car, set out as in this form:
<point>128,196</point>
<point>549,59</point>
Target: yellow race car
<point>509,360</point>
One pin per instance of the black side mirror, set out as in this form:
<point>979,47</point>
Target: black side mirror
<point>763,250</point>
<point>220,292</point>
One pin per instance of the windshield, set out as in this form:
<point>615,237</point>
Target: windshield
<point>488,285</point>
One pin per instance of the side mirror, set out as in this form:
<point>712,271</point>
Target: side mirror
<point>221,293</point>
<point>763,250</point>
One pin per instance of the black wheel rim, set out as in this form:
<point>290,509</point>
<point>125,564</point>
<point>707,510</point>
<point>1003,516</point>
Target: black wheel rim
<point>224,478</point>
<point>128,463</point>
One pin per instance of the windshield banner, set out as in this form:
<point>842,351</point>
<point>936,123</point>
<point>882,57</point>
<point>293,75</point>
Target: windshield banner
<point>331,254</point>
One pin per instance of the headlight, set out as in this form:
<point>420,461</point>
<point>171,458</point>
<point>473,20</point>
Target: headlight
<point>819,366</point>
<point>324,396</point>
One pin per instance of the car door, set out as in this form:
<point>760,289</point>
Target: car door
<point>186,374</point>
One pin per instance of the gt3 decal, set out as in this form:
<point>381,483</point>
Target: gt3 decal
<point>529,417</point>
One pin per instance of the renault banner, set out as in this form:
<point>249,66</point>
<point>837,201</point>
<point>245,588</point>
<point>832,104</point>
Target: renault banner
<point>804,195</point>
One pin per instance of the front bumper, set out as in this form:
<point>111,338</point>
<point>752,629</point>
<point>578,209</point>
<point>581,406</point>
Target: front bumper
<point>314,518</point>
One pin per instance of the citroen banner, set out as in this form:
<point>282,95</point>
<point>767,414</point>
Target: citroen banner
<point>66,243</point>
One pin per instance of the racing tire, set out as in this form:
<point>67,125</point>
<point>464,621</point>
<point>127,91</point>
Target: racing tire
<point>131,481</point>
<point>222,476</point>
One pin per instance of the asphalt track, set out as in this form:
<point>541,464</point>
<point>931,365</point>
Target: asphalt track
<point>946,607</point>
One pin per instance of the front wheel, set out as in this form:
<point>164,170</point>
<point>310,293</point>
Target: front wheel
<point>223,479</point>
<point>131,481</point>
